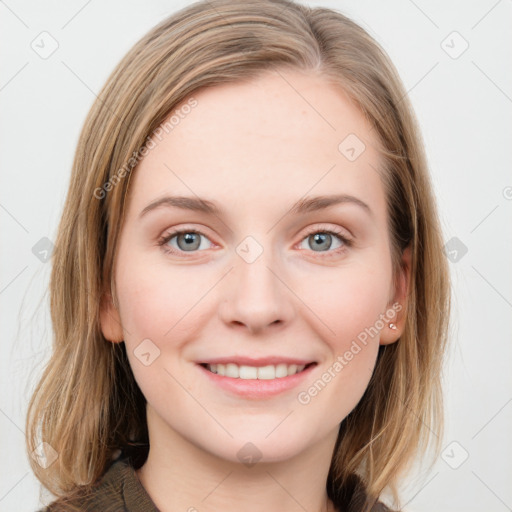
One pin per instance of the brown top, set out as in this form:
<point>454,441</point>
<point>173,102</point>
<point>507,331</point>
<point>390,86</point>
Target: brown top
<point>120,490</point>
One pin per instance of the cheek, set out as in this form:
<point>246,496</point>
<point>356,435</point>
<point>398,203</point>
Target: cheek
<point>348,309</point>
<point>159,307</point>
<point>347,306</point>
<point>347,301</point>
<point>155,300</point>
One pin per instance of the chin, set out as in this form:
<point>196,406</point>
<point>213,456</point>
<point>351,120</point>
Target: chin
<point>268,445</point>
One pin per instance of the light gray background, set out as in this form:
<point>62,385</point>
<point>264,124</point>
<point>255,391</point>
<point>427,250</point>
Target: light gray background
<point>464,106</point>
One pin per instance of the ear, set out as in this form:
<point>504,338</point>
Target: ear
<point>110,320</point>
<point>398,303</point>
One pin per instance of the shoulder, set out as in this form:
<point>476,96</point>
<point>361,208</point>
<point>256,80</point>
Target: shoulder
<point>118,490</point>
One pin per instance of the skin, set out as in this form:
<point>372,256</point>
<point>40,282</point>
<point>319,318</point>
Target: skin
<point>254,148</point>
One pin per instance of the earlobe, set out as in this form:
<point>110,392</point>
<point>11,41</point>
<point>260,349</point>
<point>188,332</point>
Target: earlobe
<point>395,326</point>
<point>390,333</point>
<point>110,320</point>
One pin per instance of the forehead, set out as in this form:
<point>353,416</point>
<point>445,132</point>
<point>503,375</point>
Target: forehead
<point>276,138</point>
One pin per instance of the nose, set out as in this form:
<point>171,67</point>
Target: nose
<point>256,296</point>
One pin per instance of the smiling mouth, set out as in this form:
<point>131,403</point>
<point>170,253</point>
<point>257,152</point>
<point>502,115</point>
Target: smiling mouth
<point>245,372</point>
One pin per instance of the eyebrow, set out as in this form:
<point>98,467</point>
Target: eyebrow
<point>305,205</point>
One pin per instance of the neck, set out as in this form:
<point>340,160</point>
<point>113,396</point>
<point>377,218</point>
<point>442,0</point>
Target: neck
<point>182,476</point>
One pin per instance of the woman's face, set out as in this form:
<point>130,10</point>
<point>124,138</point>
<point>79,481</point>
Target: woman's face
<point>263,279</point>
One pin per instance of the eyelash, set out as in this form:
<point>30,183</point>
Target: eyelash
<point>331,231</point>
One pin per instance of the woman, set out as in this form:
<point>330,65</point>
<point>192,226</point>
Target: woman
<point>249,295</point>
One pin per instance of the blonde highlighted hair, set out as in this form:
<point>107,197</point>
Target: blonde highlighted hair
<point>87,405</point>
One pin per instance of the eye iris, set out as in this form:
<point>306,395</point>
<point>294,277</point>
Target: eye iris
<point>321,238</point>
<point>192,241</point>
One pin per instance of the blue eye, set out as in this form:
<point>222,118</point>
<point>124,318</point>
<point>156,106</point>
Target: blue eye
<point>320,240</point>
<point>190,240</point>
<point>186,241</point>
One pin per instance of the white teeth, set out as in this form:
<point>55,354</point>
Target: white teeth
<point>232,371</point>
<point>281,370</point>
<point>292,369</point>
<point>248,372</point>
<point>268,372</point>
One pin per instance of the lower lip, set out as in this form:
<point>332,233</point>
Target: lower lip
<point>258,388</point>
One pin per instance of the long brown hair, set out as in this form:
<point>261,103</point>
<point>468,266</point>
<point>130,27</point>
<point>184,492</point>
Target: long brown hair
<point>87,404</point>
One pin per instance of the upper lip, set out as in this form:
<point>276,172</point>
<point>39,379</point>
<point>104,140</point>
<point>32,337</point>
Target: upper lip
<point>251,361</point>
